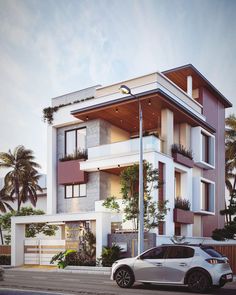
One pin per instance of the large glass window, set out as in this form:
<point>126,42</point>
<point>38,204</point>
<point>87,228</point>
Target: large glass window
<point>75,140</point>
<point>205,148</point>
<point>75,191</point>
<point>205,196</point>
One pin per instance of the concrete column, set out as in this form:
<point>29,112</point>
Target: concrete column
<point>185,135</point>
<point>190,86</point>
<point>103,228</point>
<point>169,176</point>
<point>51,170</point>
<point>17,243</point>
<point>167,129</point>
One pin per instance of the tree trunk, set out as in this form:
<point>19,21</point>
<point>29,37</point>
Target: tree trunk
<point>17,194</point>
<point>2,240</point>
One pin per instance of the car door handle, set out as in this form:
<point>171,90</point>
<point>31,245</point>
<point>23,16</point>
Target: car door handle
<point>158,264</point>
<point>183,264</point>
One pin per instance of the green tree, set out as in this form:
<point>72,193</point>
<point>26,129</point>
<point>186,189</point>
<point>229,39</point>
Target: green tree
<point>154,212</point>
<point>4,199</point>
<point>229,231</point>
<point>21,180</point>
<point>32,229</point>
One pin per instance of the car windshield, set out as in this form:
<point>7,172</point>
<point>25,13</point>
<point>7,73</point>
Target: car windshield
<point>212,252</point>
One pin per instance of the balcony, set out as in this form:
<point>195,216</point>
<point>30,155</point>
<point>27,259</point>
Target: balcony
<point>119,153</point>
<point>69,172</point>
<point>183,216</point>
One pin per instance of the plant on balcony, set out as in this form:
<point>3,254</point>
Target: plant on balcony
<point>49,111</point>
<point>154,212</point>
<point>180,149</point>
<point>48,114</point>
<point>79,154</point>
<point>182,204</point>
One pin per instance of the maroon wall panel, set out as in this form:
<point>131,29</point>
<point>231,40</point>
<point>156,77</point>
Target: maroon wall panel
<point>69,172</point>
<point>215,116</point>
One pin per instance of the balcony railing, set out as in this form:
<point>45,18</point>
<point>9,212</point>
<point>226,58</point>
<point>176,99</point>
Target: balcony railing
<point>131,146</point>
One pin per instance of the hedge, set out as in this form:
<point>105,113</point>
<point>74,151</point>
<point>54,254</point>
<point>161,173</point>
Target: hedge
<point>5,259</point>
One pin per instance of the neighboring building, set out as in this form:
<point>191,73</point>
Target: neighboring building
<point>182,107</point>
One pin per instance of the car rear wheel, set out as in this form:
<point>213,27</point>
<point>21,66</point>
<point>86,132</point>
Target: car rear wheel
<point>124,277</point>
<point>198,282</point>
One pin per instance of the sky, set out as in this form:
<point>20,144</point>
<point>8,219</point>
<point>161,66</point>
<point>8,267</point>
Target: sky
<point>52,47</point>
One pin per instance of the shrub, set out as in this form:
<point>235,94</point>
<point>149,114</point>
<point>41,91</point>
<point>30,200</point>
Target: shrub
<point>179,148</point>
<point>79,154</point>
<point>79,259</point>
<point>60,258</point>
<point>182,204</point>
<point>110,255</point>
<point>5,259</point>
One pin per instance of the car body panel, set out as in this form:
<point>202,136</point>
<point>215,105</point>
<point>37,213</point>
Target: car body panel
<point>172,270</point>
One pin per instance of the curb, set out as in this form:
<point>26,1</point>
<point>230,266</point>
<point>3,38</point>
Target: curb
<point>73,270</point>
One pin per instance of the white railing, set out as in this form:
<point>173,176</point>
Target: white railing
<point>150,143</point>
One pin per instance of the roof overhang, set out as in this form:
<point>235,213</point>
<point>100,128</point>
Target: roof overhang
<point>179,77</point>
<point>123,112</point>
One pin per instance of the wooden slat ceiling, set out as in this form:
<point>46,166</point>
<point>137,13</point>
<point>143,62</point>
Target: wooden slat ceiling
<point>179,77</point>
<point>125,115</point>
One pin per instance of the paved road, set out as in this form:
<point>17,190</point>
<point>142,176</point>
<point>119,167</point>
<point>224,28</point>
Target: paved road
<point>84,284</point>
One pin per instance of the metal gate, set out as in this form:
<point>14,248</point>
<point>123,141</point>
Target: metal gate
<point>40,252</point>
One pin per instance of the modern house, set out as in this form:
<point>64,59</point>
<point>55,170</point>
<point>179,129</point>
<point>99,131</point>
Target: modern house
<point>180,106</point>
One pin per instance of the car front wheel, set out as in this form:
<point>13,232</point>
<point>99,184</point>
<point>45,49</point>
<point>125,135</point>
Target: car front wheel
<point>124,277</point>
<point>198,282</point>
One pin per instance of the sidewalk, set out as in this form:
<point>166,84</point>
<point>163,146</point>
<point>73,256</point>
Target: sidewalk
<point>69,269</point>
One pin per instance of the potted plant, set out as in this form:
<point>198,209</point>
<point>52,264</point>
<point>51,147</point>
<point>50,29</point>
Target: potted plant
<point>182,155</point>
<point>182,213</point>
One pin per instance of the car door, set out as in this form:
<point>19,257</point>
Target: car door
<point>149,266</point>
<point>177,263</point>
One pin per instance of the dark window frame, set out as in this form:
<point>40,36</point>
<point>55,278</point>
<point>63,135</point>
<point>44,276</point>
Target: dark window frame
<point>206,148</point>
<point>207,196</point>
<point>73,196</point>
<point>76,138</point>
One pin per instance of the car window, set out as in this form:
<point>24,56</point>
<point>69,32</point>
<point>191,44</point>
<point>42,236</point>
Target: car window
<point>212,252</point>
<point>179,252</point>
<point>156,253</point>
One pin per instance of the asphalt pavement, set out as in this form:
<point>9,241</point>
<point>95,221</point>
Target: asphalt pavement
<point>57,283</point>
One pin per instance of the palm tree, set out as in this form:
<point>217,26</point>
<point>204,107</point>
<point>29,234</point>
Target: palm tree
<point>4,199</point>
<point>30,187</point>
<point>21,165</point>
<point>230,165</point>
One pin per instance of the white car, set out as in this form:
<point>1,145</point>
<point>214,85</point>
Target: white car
<point>197,266</point>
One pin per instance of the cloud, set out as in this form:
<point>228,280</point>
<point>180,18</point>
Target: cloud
<point>49,48</point>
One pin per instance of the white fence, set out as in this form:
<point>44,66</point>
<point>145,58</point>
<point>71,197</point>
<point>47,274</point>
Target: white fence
<point>41,251</point>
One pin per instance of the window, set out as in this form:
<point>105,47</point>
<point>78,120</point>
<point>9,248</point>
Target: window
<point>205,196</point>
<point>156,253</point>
<point>75,191</point>
<point>205,148</point>
<point>212,252</point>
<point>180,252</point>
<point>75,140</point>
